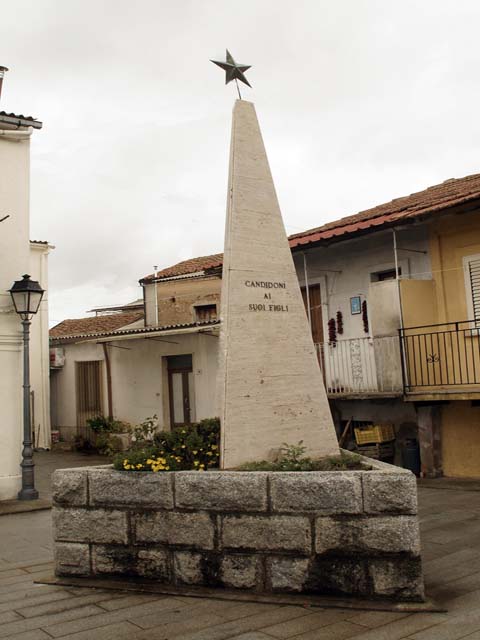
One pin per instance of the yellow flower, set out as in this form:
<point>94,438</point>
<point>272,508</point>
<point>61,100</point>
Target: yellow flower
<point>183,446</point>
<point>202,466</point>
<point>183,431</point>
<point>195,462</point>
<point>167,468</point>
<point>209,453</point>
<point>194,453</point>
<point>214,446</point>
<point>125,462</point>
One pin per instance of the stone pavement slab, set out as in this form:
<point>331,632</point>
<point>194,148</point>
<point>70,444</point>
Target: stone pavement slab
<point>46,462</point>
<point>30,611</point>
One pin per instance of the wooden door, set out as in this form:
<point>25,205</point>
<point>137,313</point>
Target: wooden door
<point>89,391</point>
<point>315,311</point>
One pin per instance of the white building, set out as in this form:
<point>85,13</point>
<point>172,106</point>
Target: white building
<point>159,359</point>
<point>361,365</point>
<point>19,256</point>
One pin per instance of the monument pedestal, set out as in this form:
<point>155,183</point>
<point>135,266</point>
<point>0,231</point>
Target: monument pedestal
<point>343,533</point>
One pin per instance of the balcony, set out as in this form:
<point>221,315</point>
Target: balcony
<point>361,367</point>
<point>441,359</point>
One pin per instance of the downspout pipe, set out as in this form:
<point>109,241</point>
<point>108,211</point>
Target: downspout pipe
<point>307,289</point>
<point>109,380</point>
<point>156,296</point>
<point>397,276</point>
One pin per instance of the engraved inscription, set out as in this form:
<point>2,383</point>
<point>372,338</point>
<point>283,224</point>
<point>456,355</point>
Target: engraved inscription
<point>270,306</point>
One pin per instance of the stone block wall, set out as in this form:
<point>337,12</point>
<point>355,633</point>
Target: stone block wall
<point>343,533</point>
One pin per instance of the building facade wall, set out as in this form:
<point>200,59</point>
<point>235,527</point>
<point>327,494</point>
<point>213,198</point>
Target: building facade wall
<point>14,252</point>
<point>348,269</point>
<point>451,239</point>
<point>177,299</point>
<point>460,433</point>
<point>138,373</point>
<point>39,353</point>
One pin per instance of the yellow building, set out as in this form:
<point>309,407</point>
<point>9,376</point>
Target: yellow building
<point>440,335</point>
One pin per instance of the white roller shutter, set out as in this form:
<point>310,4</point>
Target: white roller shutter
<point>471,266</point>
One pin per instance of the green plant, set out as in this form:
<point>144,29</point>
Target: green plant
<point>83,444</point>
<point>292,459</point>
<point>145,431</point>
<point>195,446</point>
<point>102,424</point>
<point>108,444</point>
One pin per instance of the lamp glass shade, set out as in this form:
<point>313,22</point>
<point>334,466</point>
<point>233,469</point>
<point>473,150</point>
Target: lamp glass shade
<point>26,295</point>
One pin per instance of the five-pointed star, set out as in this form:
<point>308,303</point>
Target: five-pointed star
<point>233,71</point>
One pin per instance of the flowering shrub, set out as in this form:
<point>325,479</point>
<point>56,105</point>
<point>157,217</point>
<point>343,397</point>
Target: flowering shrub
<point>190,447</point>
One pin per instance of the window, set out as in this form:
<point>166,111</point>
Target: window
<point>181,390</point>
<point>89,390</point>
<point>388,274</point>
<point>471,270</point>
<point>205,312</point>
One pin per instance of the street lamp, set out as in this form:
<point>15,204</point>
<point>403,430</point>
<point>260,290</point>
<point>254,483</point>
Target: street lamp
<point>26,295</point>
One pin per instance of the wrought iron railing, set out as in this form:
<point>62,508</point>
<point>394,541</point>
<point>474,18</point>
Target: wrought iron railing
<point>361,366</point>
<point>441,356</point>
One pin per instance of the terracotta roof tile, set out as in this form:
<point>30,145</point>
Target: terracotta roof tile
<point>21,120</point>
<point>450,193</point>
<point>189,266</point>
<point>134,331</point>
<point>97,324</point>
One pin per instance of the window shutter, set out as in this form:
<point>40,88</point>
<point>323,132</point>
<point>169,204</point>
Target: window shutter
<point>474,276</point>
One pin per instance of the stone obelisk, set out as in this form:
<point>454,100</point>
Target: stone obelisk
<point>270,389</point>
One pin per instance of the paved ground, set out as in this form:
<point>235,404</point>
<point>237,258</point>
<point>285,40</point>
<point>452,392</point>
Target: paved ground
<point>450,520</point>
<point>47,461</point>
<point>45,464</point>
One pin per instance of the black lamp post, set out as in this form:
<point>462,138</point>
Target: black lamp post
<point>26,295</point>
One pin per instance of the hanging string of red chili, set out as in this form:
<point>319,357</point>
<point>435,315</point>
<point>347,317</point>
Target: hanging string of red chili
<point>339,323</point>
<point>365,316</point>
<point>332,332</point>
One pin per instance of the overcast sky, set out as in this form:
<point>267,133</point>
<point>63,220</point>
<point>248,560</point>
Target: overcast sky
<point>360,101</point>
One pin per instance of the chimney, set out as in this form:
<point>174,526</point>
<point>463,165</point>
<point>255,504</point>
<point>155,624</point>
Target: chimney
<point>2,73</point>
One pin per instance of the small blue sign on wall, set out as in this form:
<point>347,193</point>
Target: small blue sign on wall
<point>355,305</point>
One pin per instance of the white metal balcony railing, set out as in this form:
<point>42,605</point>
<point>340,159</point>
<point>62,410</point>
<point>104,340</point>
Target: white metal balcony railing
<point>361,366</point>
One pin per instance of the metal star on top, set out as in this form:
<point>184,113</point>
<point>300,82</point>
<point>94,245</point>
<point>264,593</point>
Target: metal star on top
<point>233,71</point>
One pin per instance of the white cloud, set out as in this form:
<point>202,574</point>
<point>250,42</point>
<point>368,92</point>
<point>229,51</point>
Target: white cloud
<point>360,101</point>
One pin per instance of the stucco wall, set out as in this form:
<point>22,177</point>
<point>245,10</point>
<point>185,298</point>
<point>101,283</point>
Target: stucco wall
<point>39,354</point>
<point>451,239</point>
<point>344,270</point>
<point>419,302</point>
<point>138,373</point>
<point>460,428</point>
<point>14,252</point>
<point>177,299</point>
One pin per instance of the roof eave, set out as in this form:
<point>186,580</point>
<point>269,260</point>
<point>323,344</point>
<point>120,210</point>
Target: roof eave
<point>139,332</point>
<point>21,122</point>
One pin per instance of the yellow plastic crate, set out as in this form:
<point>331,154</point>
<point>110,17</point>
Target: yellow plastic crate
<point>374,434</point>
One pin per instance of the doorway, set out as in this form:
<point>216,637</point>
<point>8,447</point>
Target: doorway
<point>315,298</point>
<point>181,390</point>
<point>89,391</point>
